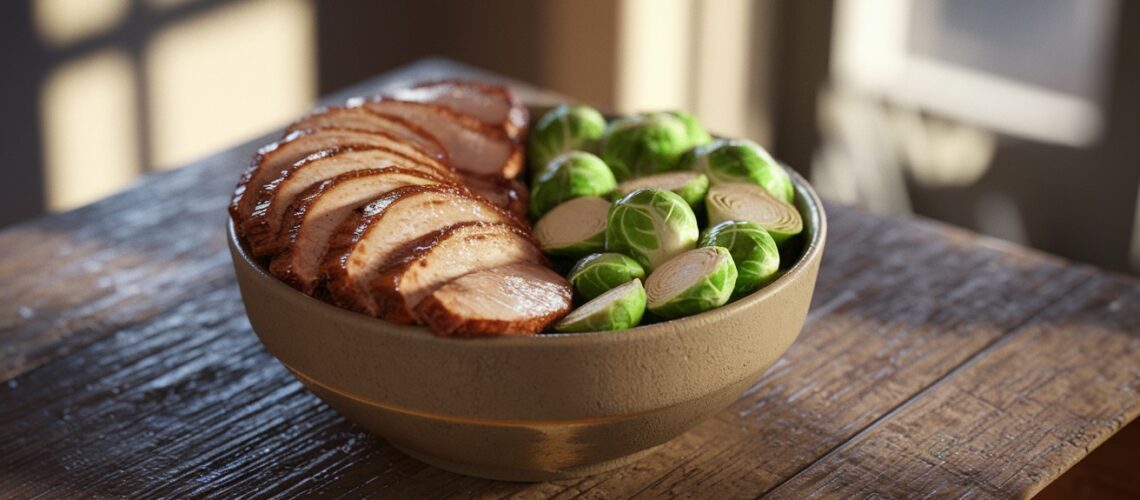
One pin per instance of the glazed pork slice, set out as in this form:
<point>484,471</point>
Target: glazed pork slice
<point>426,264</point>
<point>320,210</point>
<point>508,194</point>
<point>515,299</point>
<point>359,118</point>
<point>370,237</point>
<point>264,223</point>
<point>494,105</point>
<point>276,157</point>
<point>472,146</point>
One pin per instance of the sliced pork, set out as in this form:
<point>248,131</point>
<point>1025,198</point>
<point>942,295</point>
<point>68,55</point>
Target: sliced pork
<point>317,213</point>
<point>424,265</point>
<point>359,118</point>
<point>472,146</point>
<point>271,160</point>
<point>261,229</point>
<point>494,105</point>
<point>515,299</point>
<point>368,239</point>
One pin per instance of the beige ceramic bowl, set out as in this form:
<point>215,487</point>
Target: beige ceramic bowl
<point>540,407</point>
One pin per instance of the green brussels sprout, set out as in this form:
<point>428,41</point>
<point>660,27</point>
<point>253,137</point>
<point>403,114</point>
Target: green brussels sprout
<point>567,176</point>
<point>692,282</point>
<point>726,161</point>
<point>752,203</point>
<point>689,185</point>
<point>644,144</point>
<point>564,128</point>
<point>652,226</point>
<point>695,132</point>
<point>619,308</point>
<point>753,252</point>
<point>574,229</point>
<point>596,273</point>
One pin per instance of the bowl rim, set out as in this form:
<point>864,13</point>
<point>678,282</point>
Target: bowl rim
<point>811,252</point>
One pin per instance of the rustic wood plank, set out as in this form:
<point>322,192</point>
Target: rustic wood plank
<point>1010,420</point>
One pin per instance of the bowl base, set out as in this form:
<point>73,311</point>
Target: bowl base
<point>529,476</point>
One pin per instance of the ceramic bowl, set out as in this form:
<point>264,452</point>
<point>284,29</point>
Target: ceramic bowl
<point>538,407</point>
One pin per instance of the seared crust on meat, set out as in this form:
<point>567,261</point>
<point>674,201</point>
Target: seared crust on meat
<point>356,117</point>
<point>500,108</point>
<point>509,194</point>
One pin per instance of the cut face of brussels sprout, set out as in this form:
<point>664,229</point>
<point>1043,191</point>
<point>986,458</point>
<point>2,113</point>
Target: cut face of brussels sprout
<point>652,226</point>
<point>689,185</point>
<point>597,273</point>
<point>753,252</point>
<point>727,161</point>
<point>575,228</point>
<point>752,203</point>
<point>690,283</point>
<point>568,176</point>
<point>562,129</point>
<point>618,309</point>
<point>643,144</point>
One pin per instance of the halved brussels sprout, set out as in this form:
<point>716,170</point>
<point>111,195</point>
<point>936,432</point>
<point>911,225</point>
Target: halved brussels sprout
<point>596,273</point>
<point>752,203</point>
<point>692,282</point>
<point>617,309</point>
<point>570,175</point>
<point>643,144</point>
<point>564,128</point>
<point>575,228</point>
<point>689,185</point>
<point>652,226</point>
<point>753,252</point>
<point>726,161</point>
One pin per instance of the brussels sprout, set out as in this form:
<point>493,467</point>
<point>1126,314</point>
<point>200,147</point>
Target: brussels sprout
<point>643,144</point>
<point>617,309</point>
<point>564,128</point>
<point>575,228</point>
<point>691,186</point>
<point>692,282</point>
<point>599,272</point>
<point>752,203</point>
<point>652,226</point>
<point>726,161</point>
<point>567,176</point>
<point>753,252</point>
<point>695,132</point>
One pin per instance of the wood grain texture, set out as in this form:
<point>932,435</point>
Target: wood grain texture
<point>933,362</point>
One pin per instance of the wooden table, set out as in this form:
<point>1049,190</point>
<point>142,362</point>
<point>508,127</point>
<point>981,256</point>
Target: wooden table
<point>934,361</point>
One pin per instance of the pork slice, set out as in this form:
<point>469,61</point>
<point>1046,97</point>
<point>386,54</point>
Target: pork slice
<point>516,299</point>
<point>264,223</point>
<point>369,239</point>
<point>508,194</point>
<point>471,145</point>
<point>492,104</point>
<point>320,210</point>
<point>274,158</point>
<point>426,264</point>
<point>358,118</point>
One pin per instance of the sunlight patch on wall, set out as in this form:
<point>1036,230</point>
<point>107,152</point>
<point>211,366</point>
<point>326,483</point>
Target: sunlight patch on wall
<point>654,55</point>
<point>228,75</point>
<point>60,22</point>
<point>722,66</point>
<point>89,126</point>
